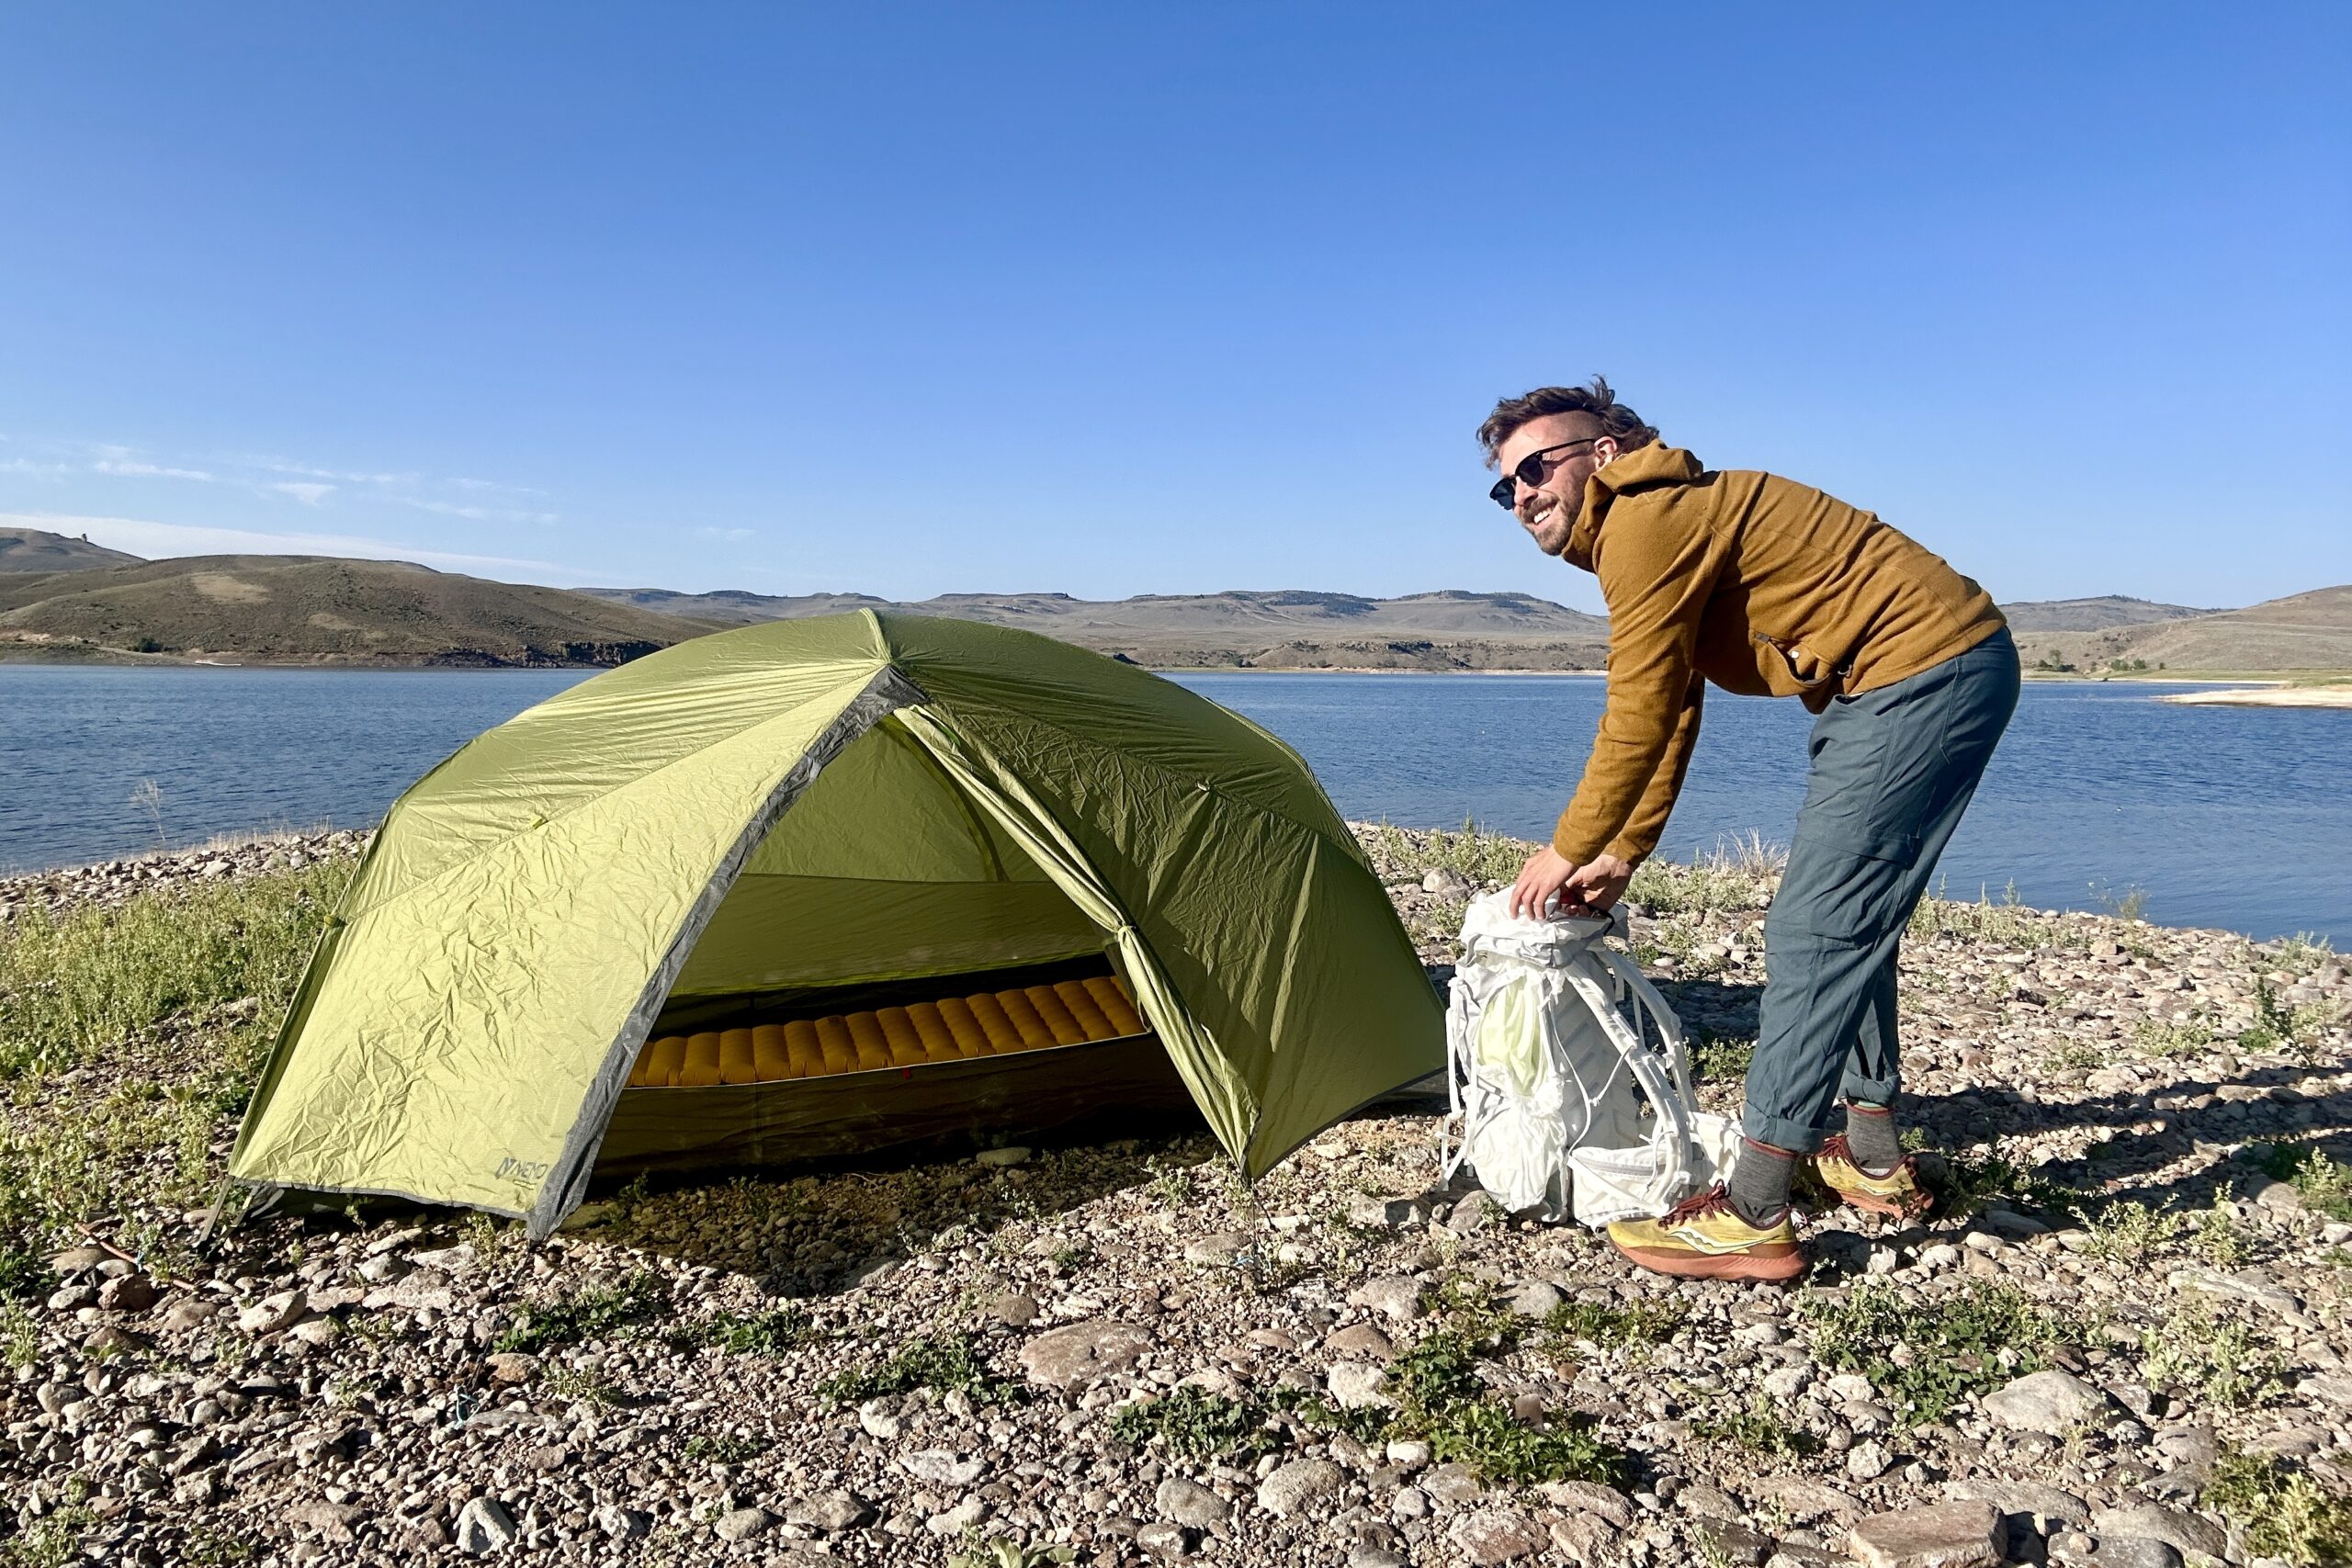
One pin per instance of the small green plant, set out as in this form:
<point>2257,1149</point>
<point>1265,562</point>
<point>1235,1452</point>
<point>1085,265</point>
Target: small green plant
<point>1470,1307</point>
<point>1964,1183</point>
<point>2218,1240</point>
<point>725,1447</point>
<point>595,1312</point>
<point>2278,1027</point>
<point>2127,1232</point>
<point>579,1387</point>
<point>1194,1424</point>
<point>740,1334</point>
<point>1608,1327</point>
<point>2326,1185</point>
<point>1928,1359</point>
<point>19,1335</point>
<point>941,1362</point>
<point>48,1541</point>
<point>2284,1513</point>
<point>1718,1058</point>
<point>2076,1055</point>
<point>1002,1551</point>
<point>1760,1428</point>
<point>2216,1358</point>
<point>1172,1185</point>
<point>2190,1036</point>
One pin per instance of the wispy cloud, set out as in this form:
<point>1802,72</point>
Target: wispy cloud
<point>145,537</point>
<point>481,514</point>
<point>132,469</point>
<point>263,474</point>
<point>728,535</point>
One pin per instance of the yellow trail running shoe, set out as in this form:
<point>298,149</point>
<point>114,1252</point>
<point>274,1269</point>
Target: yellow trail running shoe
<point>1897,1194</point>
<point>1703,1237</point>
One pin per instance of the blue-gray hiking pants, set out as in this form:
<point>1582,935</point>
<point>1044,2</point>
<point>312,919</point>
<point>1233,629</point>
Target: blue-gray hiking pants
<point>1893,770</point>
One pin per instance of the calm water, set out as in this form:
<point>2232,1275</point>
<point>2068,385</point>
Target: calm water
<point>2233,818</point>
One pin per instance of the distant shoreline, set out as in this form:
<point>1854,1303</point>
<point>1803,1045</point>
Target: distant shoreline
<point>2270,696</point>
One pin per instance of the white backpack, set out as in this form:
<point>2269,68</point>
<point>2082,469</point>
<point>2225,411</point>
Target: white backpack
<point>1567,1087</point>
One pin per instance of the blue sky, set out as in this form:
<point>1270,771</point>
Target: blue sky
<point>1122,298</point>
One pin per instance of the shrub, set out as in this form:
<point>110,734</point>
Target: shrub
<point>1195,1424</point>
<point>941,1362</point>
<point>1928,1359</point>
<point>2284,1513</point>
<point>594,1311</point>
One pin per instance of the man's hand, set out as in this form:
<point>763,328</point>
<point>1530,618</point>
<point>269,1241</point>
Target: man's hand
<point>1581,889</point>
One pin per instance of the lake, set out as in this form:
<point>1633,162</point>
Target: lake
<point>2234,818</point>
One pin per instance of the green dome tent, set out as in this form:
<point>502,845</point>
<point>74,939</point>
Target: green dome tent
<point>799,816</point>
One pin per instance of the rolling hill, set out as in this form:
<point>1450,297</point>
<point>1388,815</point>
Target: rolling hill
<point>2092,615</point>
<point>34,549</point>
<point>314,609</point>
<point>2301,633</point>
<point>1293,628</point>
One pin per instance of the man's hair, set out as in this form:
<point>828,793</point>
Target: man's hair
<point>1597,400</point>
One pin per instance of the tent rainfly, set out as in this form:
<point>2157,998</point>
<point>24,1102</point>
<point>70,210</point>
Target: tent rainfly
<point>814,887</point>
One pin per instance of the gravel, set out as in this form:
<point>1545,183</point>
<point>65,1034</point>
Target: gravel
<point>351,1389</point>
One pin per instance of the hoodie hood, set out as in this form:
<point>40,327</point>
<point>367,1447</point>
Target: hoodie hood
<point>1638,469</point>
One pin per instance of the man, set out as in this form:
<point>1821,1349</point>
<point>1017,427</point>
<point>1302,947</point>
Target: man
<point>1765,587</point>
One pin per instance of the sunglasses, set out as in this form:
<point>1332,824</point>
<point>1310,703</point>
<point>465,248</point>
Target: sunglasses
<point>1531,471</point>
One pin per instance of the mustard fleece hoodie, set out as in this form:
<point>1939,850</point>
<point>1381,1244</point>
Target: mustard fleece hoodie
<point>1766,587</point>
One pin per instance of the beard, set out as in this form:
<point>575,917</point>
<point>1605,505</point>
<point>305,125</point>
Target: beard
<point>1551,535</point>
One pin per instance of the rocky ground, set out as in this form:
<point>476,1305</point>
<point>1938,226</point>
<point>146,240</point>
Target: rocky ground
<point>2121,1341</point>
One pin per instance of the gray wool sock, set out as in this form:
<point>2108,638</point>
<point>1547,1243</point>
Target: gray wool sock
<point>1759,1188</point>
<point>1872,1133</point>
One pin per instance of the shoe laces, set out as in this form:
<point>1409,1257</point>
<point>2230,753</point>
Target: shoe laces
<point>1697,1205</point>
<point>1834,1146</point>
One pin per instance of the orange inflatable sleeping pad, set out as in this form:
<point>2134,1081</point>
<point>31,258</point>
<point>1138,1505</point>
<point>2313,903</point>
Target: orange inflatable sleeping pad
<point>991,1023</point>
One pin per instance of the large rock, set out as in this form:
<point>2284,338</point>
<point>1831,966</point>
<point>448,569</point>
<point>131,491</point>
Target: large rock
<point>1222,1249</point>
<point>272,1314</point>
<point>483,1526</point>
<point>1941,1535</point>
<point>2183,1531</point>
<point>834,1510</point>
<point>1396,1296</point>
<point>742,1524</point>
<point>1487,1536</point>
<point>2052,1401</point>
<point>1355,1386</point>
<point>1190,1504</point>
<point>1361,1340</point>
<point>942,1467</point>
<point>1075,1356</point>
<point>1291,1487</point>
<point>1590,1498</point>
<point>2048,1507</point>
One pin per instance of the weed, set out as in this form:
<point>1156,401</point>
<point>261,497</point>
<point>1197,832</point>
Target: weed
<point>1720,1058</point>
<point>49,1542</point>
<point>2285,1513</point>
<point>595,1312</point>
<point>579,1387</point>
<point>2008,923</point>
<point>19,1335</point>
<point>1471,1307</point>
<point>1927,1358</point>
<point>942,1362</point>
<point>740,1334</point>
<point>1197,1424</point>
<point>1002,1551</point>
<point>725,1447</point>
<point>1608,1327</point>
<point>2216,1358</point>
<point>2128,1231</point>
<point>2278,1027</point>
<point>1506,1450</point>
<point>74,982</point>
<point>1736,876</point>
<point>1760,1429</point>
<point>2076,1055</point>
<point>1171,1184</point>
<point>2190,1037</point>
<point>2326,1185</point>
<point>2218,1239</point>
<point>1966,1183</point>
